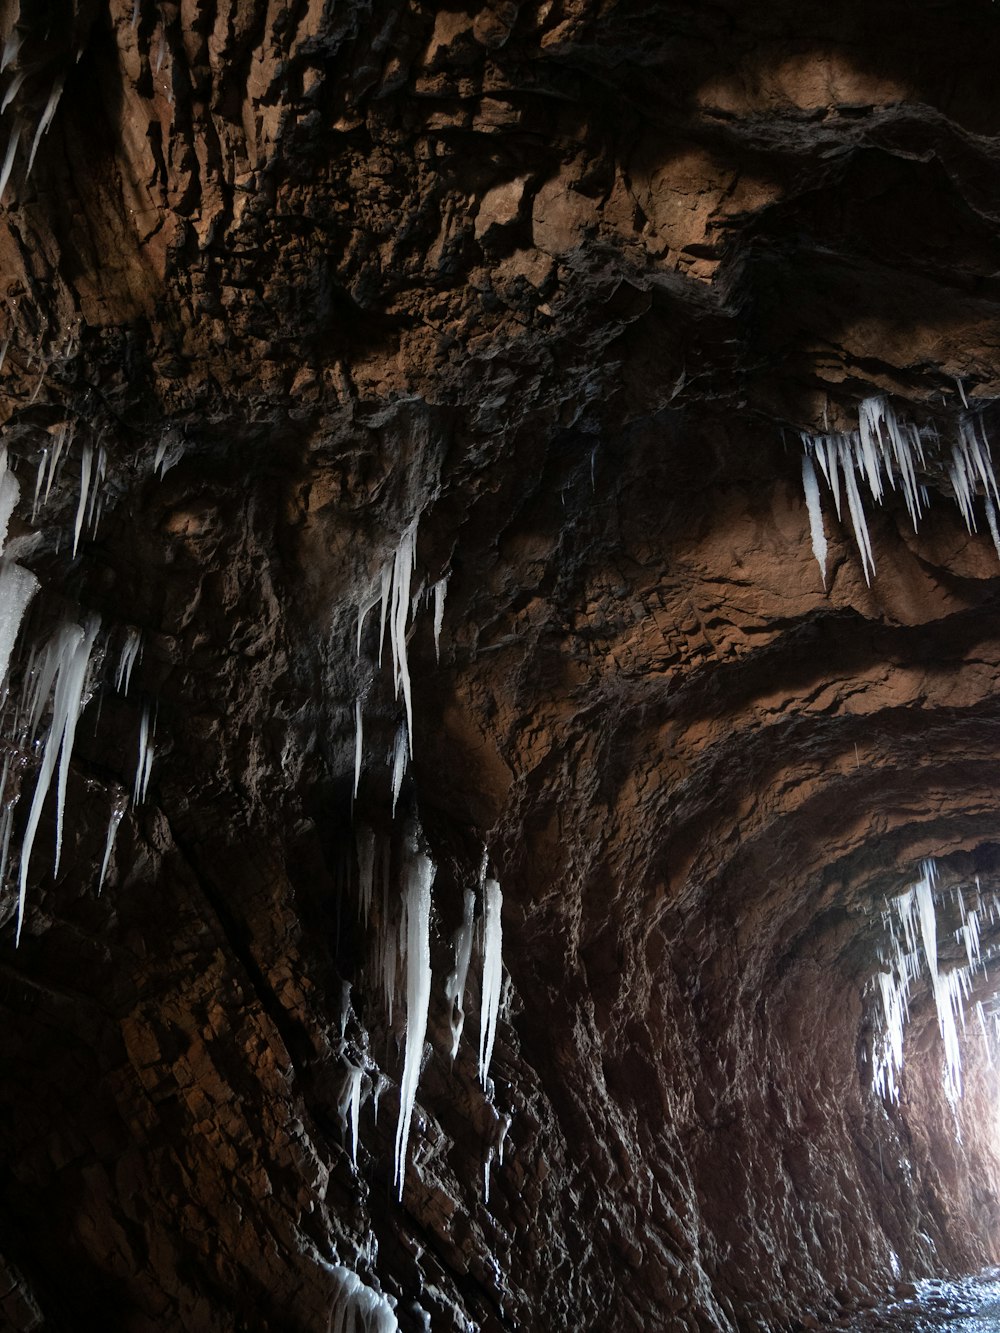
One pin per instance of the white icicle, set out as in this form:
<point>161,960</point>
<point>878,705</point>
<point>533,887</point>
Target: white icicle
<point>349,1106</point>
<point>10,493</point>
<point>454,987</point>
<point>39,475</point>
<point>357,1308</point>
<point>403,565</point>
<point>67,657</point>
<point>67,707</point>
<point>144,761</point>
<point>399,758</point>
<point>44,122</point>
<point>418,878</point>
<point>492,975</point>
<point>127,660</point>
<point>12,89</point>
<point>55,456</point>
<point>358,744</point>
<point>86,467</point>
<point>810,485</point>
<point>117,814</point>
<point>17,587</point>
<point>385,589</point>
<point>991,519</point>
<point>8,161</point>
<point>11,48</point>
<point>857,511</point>
<point>440,589</point>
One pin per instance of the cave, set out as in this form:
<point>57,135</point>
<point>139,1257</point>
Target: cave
<point>500,641</point>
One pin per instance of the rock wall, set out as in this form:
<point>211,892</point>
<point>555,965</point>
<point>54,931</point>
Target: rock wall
<point>561,284</point>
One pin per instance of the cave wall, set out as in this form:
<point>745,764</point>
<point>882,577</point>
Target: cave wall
<point>564,282</point>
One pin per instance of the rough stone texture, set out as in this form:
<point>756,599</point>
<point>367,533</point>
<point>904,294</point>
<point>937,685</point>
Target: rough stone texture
<point>564,280</point>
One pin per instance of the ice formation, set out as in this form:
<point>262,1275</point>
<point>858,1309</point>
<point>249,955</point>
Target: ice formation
<point>86,468</point>
<point>439,590</point>
<point>912,945</point>
<point>358,1308</point>
<point>400,753</point>
<point>117,815</point>
<point>349,1106</point>
<point>144,761</point>
<point>127,660</point>
<point>492,975</point>
<point>65,662</point>
<point>44,122</point>
<point>810,485</point>
<point>358,744</point>
<point>454,987</point>
<point>17,587</point>
<point>418,878</point>
<point>10,493</point>
<point>886,453</point>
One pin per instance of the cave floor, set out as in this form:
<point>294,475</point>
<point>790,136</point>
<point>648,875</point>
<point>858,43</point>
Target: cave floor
<point>969,1305</point>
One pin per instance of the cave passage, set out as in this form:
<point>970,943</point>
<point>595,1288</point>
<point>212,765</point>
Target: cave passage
<point>499,666</point>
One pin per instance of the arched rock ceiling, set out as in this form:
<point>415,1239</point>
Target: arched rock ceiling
<point>564,281</point>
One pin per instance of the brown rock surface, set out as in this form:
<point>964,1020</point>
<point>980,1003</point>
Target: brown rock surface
<point>563,280</point>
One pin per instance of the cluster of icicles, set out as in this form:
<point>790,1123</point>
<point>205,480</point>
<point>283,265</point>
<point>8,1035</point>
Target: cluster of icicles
<point>403,936</point>
<point>57,683</point>
<point>22,133</point>
<point>886,454</point>
<point>402,944</point>
<point>911,926</point>
<point>397,607</point>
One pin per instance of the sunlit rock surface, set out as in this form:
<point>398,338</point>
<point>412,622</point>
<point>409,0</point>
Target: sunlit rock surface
<point>563,283</point>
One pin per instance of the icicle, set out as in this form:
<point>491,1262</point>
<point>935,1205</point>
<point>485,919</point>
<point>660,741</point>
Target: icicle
<point>385,580</point>
<point>381,1083</point>
<point>44,122</point>
<point>419,876</point>
<point>38,483</point>
<point>811,487</point>
<point>10,49</point>
<point>144,763</point>
<point>10,493</point>
<point>68,707</point>
<point>12,90</point>
<point>492,976</point>
<point>349,1106</point>
<point>68,656</point>
<point>17,587</point>
<point>8,161</point>
<point>403,565</point>
<point>399,756</point>
<point>358,744</point>
<point>488,1162</point>
<point>86,467</point>
<point>454,987</point>
<point>439,590</point>
<point>117,814</point>
<point>986,1039</point>
<point>127,660</point>
<point>858,519</point>
<point>54,458</point>
<point>357,1308</point>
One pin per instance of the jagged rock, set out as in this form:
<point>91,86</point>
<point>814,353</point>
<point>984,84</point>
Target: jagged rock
<point>564,282</point>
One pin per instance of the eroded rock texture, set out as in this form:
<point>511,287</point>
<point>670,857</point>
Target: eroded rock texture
<point>562,282</point>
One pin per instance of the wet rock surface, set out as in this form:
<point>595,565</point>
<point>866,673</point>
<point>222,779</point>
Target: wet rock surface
<point>968,1305</point>
<point>561,283</point>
